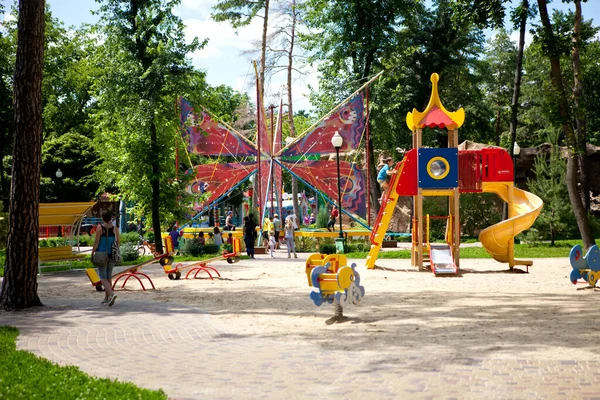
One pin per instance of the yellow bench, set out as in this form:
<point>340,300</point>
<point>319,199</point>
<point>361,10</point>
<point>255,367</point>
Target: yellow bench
<point>62,253</point>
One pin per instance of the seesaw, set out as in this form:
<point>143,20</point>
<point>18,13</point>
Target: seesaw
<point>132,272</point>
<point>333,282</point>
<point>202,266</point>
<point>585,267</point>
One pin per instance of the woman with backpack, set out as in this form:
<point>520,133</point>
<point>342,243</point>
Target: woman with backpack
<point>107,237</point>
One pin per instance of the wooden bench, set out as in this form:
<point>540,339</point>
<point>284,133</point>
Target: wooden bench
<point>62,253</point>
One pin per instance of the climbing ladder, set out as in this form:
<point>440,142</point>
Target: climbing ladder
<point>384,217</point>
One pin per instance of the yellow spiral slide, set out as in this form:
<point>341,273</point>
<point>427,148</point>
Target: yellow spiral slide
<point>523,209</point>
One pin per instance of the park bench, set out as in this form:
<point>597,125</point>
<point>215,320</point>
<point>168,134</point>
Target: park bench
<point>61,253</point>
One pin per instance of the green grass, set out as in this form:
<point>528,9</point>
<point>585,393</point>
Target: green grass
<point>25,376</point>
<point>524,250</point>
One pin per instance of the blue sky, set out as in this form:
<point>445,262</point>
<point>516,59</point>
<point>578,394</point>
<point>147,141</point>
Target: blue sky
<point>223,58</point>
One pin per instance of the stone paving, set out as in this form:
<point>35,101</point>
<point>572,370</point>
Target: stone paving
<point>184,351</point>
<point>178,348</point>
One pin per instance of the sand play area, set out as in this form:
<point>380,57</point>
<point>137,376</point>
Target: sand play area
<point>413,333</point>
<point>486,310</point>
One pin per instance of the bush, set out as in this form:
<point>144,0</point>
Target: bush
<point>322,217</point>
<point>194,248</point>
<point>150,237</point>
<point>130,237</point>
<point>327,248</point>
<point>211,249</point>
<point>129,252</point>
<point>227,247</point>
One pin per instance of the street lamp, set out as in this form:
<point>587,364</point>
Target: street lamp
<point>516,152</point>
<point>59,173</point>
<point>337,142</point>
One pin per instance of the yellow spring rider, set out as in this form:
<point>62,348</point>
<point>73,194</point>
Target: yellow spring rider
<point>333,282</point>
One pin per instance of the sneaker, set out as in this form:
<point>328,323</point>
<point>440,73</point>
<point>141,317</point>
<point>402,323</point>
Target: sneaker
<point>111,300</point>
<point>289,256</point>
<point>295,256</point>
<point>105,301</point>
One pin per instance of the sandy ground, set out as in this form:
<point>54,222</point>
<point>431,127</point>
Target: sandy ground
<point>486,311</point>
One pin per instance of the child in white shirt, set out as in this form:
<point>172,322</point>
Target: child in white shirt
<point>272,242</point>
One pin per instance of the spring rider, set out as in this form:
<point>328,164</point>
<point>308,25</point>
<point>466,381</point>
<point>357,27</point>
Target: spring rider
<point>585,267</point>
<point>333,282</point>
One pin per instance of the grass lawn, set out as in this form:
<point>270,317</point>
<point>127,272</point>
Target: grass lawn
<point>523,251</point>
<point>26,376</point>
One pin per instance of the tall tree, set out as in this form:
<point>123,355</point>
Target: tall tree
<point>144,67</point>
<point>552,49</point>
<point>241,13</point>
<point>7,65</point>
<point>578,108</point>
<point>19,287</point>
<point>350,39</point>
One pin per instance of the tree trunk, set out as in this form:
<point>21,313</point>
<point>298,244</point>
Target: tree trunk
<point>571,177</point>
<point>289,71</point>
<point>155,184</point>
<point>263,51</point>
<point>19,287</point>
<point>514,106</point>
<point>580,123</point>
<point>498,125</point>
<point>374,190</point>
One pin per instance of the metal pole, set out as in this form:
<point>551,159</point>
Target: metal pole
<point>337,151</point>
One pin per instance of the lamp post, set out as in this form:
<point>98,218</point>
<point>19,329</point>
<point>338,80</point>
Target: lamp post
<point>516,152</point>
<point>59,173</point>
<point>337,142</point>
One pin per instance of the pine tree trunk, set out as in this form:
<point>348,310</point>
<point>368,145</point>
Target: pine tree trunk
<point>580,123</point>
<point>263,51</point>
<point>19,287</point>
<point>579,210</point>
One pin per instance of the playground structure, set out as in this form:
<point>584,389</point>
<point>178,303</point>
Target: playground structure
<point>135,271</point>
<point>585,267</point>
<point>447,172</point>
<point>202,266</point>
<point>307,157</point>
<point>333,282</point>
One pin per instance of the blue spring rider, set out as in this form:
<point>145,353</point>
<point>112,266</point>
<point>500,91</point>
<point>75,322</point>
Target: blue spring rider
<point>585,267</point>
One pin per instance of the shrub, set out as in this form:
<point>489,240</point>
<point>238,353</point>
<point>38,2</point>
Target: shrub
<point>129,252</point>
<point>211,249</point>
<point>327,248</point>
<point>227,247</point>
<point>322,217</point>
<point>130,237</point>
<point>192,247</point>
<point>150,237</point>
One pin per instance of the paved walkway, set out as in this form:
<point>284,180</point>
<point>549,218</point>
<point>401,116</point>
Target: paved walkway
<point>179,349</point>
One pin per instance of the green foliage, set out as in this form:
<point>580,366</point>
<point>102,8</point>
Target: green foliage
<point>322,217</point>
<point>149,237</point>
<point>3,227</point>
<point>479,211</point>
<point>86,240</point>
<point>130,237</point>
<point>194,248</point>
<point>550,185</point>
<point>227,247</point>
<point>129,252</point>
<point>23,375</point>
<point>327,249</point>
<point>53,242</point>
<point>144,67</point>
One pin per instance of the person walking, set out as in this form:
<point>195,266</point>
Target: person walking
<point>272,242</point>
<point>289,238</point>
<point>229,226</point>
<point>278,228</point>
<point>106,235</point>
<point>266,228</point>
<point>249,234</point>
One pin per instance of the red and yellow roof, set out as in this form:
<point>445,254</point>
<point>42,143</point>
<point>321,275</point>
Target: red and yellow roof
<point>435,115</point>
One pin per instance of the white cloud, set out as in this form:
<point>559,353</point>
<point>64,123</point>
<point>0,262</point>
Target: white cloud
<point>514,37</point>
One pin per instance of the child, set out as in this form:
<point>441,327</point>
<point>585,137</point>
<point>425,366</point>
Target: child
<point>217,236</point>
<point>201,238</point>
<point>230,238</point>
<point>289,238</point>
<point>210,239</point>
<point>272,242</point>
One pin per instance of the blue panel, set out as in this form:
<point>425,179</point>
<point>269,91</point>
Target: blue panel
<point>438,168</point>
